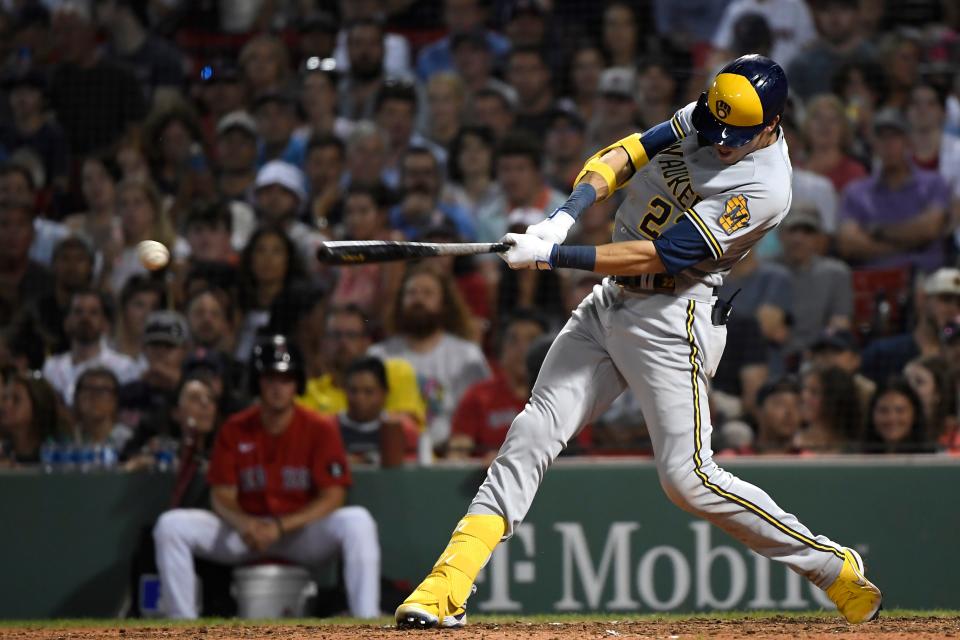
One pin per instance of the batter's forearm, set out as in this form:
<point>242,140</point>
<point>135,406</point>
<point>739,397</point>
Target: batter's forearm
<point>620,168</point>
<point>632,258</point>
<point>329,500</point>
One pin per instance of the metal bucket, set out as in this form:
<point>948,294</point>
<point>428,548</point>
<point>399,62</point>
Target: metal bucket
<point>272,591</point>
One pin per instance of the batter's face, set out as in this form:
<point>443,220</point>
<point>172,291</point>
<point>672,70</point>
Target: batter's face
<point>277,391</point>
<point>733,155</point>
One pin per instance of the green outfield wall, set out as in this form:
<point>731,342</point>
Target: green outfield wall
<point>601,536</point>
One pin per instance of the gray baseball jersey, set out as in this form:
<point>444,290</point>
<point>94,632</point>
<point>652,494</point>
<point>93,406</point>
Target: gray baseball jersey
<point>730,206</point>
<point>664,347</point>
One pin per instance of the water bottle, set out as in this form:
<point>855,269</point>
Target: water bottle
<point>87,457</point>
<point>164,455</point>
<point>108,457</point>
<point>69,457</point>
<point>48,456</point>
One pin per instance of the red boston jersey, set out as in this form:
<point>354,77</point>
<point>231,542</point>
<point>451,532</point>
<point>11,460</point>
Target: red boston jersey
<point>485,413</point>
<point>280,474</point>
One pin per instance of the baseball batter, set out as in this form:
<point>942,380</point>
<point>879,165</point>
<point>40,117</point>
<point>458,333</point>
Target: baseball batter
<point>703,188</point>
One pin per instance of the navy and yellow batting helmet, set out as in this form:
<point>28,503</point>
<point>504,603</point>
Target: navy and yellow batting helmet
<point>746,96</point>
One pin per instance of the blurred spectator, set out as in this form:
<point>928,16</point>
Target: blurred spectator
<point>370,434</point>
<point>809,188</point>
<point>368,286</point>
<point>900,56</point>
<point>394,49</point>
<point>72,270</point>
<point>21,279</point>
<point>95,100</point>
<point>421,183</point>
<point>528,73</point>
<point>146,402</point>
<point>689,24</point>
<point>779,417</point>
<point>86,325</point>
<point>898,216</point>
<point>366,154</point>
<point>656,92</point>
<point>828,135</point>
<point>586,65</point>
<point>142,217</point>
<point>347,337</point>
<point>237,171</point>
<point>446,98</point>
<point>620,33</point>
<point>862,87</point>
<point>96,411</point>
<point>221,374</point>
<point>18,189</point>
<point>269,265</point>
<point>266,505</point>
<point>221,92</point>
<point>365,73</point>
<point>318,101</point>
<point>494,109</point>
<point>395,112</point>
<point>325,166</point>
<point>932,379</point>
<point>518,165</point>
<point>615,114</point>
<point>933,148</point>
<point>208,229</point>
<point>132,159</point>
<point>100,222</point>
<point>565,148</point>
<point>462,18</point>
<point>474,62</point>
<point>140,296</point>
<point>277,122</point>
<point>832,423</point>
<point>822,287</point>
<point>28,417</point>
<point>280,197</point>
<point>173,143</point>
<point>432,331</point>
<point>157,65</point>
<point>34,128</point>
<point>840,42</point>
<point>476,290</point>
<point>765,295</point>
<point>318,36</point>
<point>790,21</point>
<point>840,349</point>
<point>887,356</point>
<point>265,63</point>
<point>896,423</point>
<point>470,169</point>
<point>487,408</point>
<point>209,316</point>
<point>526,24</point>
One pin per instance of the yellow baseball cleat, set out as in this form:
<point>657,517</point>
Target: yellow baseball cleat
<point>856,598</point>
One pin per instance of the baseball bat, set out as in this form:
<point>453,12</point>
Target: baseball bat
<point>367,251</point>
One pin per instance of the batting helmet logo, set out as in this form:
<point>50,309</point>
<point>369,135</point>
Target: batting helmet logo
<point>723,109</point>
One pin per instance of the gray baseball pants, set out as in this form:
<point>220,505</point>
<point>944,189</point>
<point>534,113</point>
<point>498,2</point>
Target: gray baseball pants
<point>665,348</point>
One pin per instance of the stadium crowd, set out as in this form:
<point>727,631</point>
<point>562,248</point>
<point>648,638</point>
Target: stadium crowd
<point>242,133</point>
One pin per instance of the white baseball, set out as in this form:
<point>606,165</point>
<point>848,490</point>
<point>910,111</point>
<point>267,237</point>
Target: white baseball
<point>153,255</point>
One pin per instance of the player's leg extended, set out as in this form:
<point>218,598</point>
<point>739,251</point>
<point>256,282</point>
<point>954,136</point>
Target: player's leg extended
<point>576,383</point>
<point>669,340</point>
<point>178,536</point>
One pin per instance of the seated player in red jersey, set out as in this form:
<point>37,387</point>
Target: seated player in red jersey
<point>279,479</point>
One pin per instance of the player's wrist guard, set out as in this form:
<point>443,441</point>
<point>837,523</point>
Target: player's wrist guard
<point>581,199</point>
<point>576,257</point>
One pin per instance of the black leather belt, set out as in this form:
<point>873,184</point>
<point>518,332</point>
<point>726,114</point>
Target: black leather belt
<point>656,282</point>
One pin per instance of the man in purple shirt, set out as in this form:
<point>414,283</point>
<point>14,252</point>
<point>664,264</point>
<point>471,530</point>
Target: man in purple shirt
<point>899,216</point>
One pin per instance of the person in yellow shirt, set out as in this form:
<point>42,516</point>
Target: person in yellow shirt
<point>347,338</point>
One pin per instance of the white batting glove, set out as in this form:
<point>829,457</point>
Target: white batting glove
<point>527,252</point>
<point>554,229</point>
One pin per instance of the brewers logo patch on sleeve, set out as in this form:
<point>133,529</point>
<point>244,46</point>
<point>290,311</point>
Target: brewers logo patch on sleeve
<point>735,215</point>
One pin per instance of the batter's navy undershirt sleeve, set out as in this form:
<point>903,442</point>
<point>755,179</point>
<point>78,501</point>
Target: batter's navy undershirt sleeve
<point>681,247</point>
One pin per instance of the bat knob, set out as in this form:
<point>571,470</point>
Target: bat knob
<point>324,254</point>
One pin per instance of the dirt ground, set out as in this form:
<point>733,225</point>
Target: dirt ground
<point>811,628</point>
